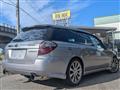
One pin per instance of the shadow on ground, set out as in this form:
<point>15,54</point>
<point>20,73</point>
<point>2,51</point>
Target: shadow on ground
<point>91,79</point>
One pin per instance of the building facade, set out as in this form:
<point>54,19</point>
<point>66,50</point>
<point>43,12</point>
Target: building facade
<point>110,21</point>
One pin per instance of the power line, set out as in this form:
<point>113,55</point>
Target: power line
<point>7,3</point>
<point>25,11</point>
<point>13,4</point>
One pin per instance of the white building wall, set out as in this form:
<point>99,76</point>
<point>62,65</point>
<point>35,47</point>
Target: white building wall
<point>117,25</point>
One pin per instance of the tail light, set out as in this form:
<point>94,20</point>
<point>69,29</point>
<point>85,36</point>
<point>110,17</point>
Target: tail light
<point>46,47</point>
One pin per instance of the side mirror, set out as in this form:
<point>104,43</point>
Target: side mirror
<point>100,48</point>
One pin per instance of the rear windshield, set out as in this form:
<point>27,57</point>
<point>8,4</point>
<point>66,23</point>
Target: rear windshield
<point>32,35</point>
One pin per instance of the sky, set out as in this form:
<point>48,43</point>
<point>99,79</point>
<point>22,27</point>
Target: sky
<point>83,12</point>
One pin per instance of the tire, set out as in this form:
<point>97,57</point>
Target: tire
<point>114,65</point>
<point>26,76</point>
<point>74,72</point>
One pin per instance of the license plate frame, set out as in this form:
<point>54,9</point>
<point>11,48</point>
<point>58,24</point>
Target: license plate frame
<point>17,54</point>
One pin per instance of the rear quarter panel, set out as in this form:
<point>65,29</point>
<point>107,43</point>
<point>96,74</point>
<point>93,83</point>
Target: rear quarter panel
<point>64,53</point>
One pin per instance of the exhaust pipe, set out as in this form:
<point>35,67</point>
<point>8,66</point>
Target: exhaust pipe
<point>5,72</point>
<point>33,77</point>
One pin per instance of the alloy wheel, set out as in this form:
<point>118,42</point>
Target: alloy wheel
<point>115,65</point>
<point>75,72</point>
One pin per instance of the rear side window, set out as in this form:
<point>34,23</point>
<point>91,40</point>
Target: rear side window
<point>62,35</point>
<point>71,36</point>
<point>65,36</point>
<point>32,35</point>
<point>83,38</point>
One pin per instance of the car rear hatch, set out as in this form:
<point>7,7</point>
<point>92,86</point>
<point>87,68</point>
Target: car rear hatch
<point>24,48</point>
<point>22,53</point>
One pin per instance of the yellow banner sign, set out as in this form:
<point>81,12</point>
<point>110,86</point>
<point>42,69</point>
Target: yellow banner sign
<point>61,15</point>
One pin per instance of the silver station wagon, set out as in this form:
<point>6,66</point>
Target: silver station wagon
<point>51,51</point>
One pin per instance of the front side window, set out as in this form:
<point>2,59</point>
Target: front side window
<point>88,41</point>
<point>84,39</point>
<point>97,43</point>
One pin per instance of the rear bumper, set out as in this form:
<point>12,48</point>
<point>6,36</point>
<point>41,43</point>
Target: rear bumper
<point>40,67</point>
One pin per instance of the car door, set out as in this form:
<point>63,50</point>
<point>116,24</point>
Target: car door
<point>102,58</point>
<point>88,52</point>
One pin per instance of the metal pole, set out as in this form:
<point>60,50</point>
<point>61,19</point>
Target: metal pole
<point>54,22</point>
<point>18,17</point>
<point>113,39</point>
<point>67,22</point>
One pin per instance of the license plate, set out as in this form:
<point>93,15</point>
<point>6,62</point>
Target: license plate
<point>17,54</point>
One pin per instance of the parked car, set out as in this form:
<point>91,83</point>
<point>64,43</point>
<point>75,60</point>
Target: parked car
<point>57,52</point>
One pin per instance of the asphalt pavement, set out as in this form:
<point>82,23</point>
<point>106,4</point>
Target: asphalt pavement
<point>96,81</point>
